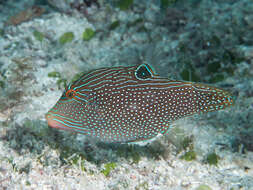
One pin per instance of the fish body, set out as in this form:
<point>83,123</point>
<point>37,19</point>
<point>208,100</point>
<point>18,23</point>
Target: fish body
<point>131,104</point>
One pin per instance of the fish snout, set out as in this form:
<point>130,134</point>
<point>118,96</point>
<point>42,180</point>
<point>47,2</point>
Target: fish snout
<point>52,122</point>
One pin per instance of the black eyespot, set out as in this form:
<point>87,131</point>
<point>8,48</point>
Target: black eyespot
<point>143,72</point>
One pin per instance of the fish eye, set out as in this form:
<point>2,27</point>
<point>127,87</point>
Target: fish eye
<point>70,93</point>
<point>143,72</point>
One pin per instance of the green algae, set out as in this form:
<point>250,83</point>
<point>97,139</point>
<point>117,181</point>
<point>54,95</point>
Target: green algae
<point>213,67</point>
<point>131,153</point>
<point>2,84</point>
<point>125,4</point>
<point>38,35</point>
<point>78,160</point>
<point>66,38</point>
<point>62,83</point>
<point>180,139</point>
<point>11,161</point>
<point>135,22</point>
<point>203,187</point>
<point>187,143</point>
<point>1,32</point>
<point>215,41</point>
<point>189,156</point>
<point>108,168</point>
<point>71,156</point>
<point>28,183</point>
<point>182,47</point>
<point>54,74</point>
<point>212,159</point>
<point>189,74</point>
<point>224,63</point>
<point>229,70</point>
<point>142,186</point>
<point>218,63</point>
<point>166,3</point>
<point>230,56</point>
<point>217,78</point>
<point>114,25</point>
<point>88,34</point>
<point>136,157</point>
<point>26,168</point>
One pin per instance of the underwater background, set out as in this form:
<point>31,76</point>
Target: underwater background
<point>46,44</point>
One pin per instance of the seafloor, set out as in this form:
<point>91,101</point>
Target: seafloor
<point>44,44</point>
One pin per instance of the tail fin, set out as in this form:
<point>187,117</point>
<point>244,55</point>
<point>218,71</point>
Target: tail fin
<point>207,98</point>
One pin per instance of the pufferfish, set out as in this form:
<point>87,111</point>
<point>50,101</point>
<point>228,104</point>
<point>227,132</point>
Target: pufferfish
<point>131,104</point>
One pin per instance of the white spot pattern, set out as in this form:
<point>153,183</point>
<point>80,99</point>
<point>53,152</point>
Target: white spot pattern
<point>114,105</point>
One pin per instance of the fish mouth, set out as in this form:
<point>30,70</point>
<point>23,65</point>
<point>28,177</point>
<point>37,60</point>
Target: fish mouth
<point>53,123</point>
<point>59,121</point>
